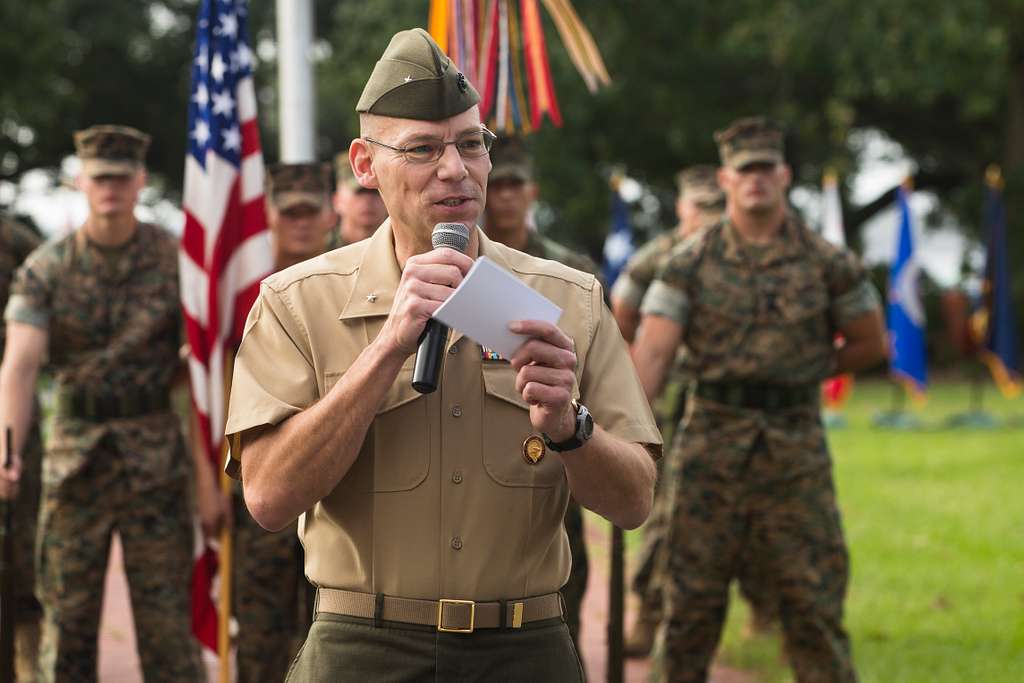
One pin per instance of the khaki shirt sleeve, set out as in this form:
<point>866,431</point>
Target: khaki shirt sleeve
<point>609,386</point>
<point>273,375</point>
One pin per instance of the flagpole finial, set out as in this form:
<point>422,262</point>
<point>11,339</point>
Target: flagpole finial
<point>908,183</point>
<point>994,177</point>
<point>830,177</point>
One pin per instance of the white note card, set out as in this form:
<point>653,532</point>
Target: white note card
<point>490,298</point>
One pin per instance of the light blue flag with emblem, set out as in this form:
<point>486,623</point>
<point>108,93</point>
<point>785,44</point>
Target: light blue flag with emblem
<point>906,321</point>
<point>618,245</point>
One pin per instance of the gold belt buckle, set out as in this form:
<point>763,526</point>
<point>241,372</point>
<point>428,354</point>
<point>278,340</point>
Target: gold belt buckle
<point>440,615</point>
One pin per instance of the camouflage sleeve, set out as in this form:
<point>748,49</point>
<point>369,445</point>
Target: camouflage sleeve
<point>628,291</point>
<point>667,296</point>
<point>638,275</point>
<point>30,299</point>
<point>851,293</point>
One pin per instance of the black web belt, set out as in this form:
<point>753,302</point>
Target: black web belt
<point>759,395</point>
<point>85,405</point>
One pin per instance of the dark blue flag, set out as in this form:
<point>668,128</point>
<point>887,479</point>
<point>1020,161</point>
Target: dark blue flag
<point>994,321</point>
<point>618,245</point>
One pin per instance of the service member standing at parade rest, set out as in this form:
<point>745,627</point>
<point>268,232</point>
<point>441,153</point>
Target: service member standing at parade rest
<point>269,585</point>
<point>17,241</point>
<point>361,210</point>
<point>432,523</point>
<point>511,193</point>
<point>699,205</point>
<point>757,300</point>
<point>102,306</point>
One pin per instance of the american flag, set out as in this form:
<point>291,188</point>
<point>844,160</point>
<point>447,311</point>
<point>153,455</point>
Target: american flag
<point>224,250</point>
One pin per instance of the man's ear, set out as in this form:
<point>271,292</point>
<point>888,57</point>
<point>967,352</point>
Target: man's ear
<point>533,190</point>
<point>361,159</point>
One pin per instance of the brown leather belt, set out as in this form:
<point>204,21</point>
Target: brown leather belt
<point>449,616</point>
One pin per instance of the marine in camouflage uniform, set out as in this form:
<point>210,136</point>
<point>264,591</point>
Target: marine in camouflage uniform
<point>757,319</point>
<point>510,194</point>
<point>699,203</point>
<point>115,460</point>
<point>360,209</point>
<point>273,601</point>
<point>17,241</point>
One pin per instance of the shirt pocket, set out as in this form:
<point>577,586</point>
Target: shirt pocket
<point>398,438</point>
<point>506,426</point>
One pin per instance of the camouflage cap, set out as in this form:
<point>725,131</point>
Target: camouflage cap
<point>414,79</point>
<point>749,141</point>
<point>292,185</point>
<point>111,150</point>
<point>510,160</point>
<point>343,174</point>
<point>699,184</point>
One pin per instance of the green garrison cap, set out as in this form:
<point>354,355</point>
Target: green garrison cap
<point>414,79</point>
<point>111,150</point>
<point>291,185</point>
<point>699,184</point>
<point>749,141</point>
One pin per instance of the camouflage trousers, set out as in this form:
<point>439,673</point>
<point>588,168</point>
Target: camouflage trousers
<point>78,517</point>
<point>24,518</point>
<point>273,602</point>
<point>652,569</point>
<point>790,533</point>
<point>573,590</point>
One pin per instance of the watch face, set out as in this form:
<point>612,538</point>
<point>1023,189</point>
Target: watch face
<point>587,427</point>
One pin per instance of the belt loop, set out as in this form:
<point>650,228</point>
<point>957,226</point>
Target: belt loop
<point>316,603</point>
<point>378,609</point>
<point>503,616</point>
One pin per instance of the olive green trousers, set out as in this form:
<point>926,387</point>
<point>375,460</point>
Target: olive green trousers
<point>344,649</point>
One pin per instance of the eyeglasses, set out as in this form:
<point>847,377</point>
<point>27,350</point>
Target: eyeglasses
<point>469,146</point>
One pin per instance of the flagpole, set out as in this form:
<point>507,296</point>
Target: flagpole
<point>226,556</point>
<point>295,81</point>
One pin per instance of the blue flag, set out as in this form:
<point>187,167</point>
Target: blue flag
<point>618,245</point>
<point>994,321</point>
<point>906,314</point>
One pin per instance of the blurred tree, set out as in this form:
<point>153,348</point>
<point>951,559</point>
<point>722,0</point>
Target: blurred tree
<point>945,80</point>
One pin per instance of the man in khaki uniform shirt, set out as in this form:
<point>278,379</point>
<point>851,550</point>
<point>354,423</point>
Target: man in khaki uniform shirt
<point>432,523</point>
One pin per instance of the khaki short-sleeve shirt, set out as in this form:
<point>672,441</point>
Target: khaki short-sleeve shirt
<point>441,501</point>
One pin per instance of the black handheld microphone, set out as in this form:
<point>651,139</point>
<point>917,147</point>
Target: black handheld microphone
<point>430,353</point>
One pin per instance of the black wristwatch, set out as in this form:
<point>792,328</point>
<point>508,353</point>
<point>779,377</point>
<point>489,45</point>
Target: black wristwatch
<point>584,430</point>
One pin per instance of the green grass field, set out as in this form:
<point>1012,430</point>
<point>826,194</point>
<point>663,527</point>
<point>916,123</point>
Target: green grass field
<point>935,524</point>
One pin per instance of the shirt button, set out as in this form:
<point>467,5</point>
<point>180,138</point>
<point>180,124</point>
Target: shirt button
<point>457,476</point>
<point>457,411</point>
<point>454,348</point>
<point>457,543</point>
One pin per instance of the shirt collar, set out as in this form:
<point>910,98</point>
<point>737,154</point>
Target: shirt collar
<point>377,278</point>
<point>786,245</point>
<point>379,275</point>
